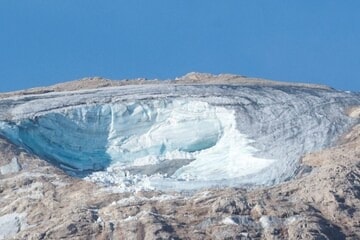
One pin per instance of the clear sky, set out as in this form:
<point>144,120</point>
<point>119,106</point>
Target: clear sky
<point>43,42</point>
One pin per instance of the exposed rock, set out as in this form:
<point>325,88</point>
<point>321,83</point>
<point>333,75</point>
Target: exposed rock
<point>191,78</point>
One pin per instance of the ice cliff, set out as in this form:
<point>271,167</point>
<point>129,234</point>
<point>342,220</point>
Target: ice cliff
<point>182,136</point>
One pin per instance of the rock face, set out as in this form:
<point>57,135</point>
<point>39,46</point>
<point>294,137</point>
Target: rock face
<point>310,132</point>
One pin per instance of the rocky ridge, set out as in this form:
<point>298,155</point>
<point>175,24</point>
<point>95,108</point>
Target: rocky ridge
<point>190,78</point>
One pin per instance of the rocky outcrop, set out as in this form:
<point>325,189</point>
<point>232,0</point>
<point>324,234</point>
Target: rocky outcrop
<point>190,78</point>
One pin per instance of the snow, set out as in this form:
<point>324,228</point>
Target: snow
<point>11,224</point>
<point>12,167</point>
<point>238,220</point>
<point>269,222</point>
<point>177,137</point>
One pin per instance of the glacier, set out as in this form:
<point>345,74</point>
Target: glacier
<point>178,136</point>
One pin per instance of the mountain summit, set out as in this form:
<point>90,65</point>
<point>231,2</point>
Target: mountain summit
<point>202,156</point>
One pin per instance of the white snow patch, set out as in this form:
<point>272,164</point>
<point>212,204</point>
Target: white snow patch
<point>292,219</point>
<point>238,220</point>
<point>229,221</point>
<point>269,222</point>
<point>11,224</point>
<point>12,167</point>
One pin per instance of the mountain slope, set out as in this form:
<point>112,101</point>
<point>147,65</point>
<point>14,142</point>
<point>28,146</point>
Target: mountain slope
<point>208,130</point>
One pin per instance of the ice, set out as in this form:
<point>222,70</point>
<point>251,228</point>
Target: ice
<point>115,137</point>
<point>152,130</point>
<point>231,157</point>
<point>174,137</point>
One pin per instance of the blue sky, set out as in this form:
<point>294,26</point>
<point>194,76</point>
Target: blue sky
<point>43,42</point>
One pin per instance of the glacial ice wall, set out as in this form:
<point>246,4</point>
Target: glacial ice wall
<point>187,136</point>
<point>142,133</point>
